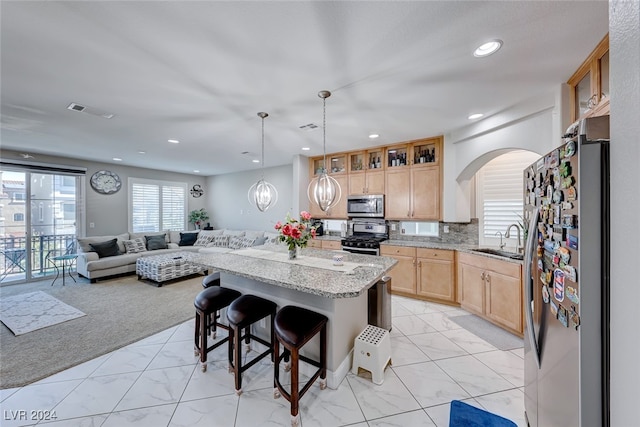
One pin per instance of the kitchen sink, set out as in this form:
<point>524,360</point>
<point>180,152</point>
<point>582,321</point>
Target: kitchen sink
<point>498,252</point>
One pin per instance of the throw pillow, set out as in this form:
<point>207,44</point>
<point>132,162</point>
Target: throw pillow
<point>219,242</point>
<point>241,242</point>
<point>203,240</point>
<point>188,239</point>
<point>156,242</point>
<point>106,249</point>
<point>134,246</point>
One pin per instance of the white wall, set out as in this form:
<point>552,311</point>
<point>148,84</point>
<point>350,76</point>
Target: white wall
<point>535,125</point>
<point>624,45</point>
<point>109,213</point>
<point>229,205</point>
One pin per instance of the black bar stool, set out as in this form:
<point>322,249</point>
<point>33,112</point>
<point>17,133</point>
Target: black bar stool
<point>207,303</point>
<point>242,313</point>
<point>294,327</point>
<point>212,279</point>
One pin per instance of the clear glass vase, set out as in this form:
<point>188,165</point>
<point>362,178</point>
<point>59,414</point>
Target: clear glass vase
<point>293,253</point>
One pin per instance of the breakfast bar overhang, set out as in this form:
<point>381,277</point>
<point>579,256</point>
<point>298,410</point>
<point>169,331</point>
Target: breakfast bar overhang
<point>311,281</point>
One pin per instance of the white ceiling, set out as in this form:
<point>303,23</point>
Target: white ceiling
<point>200,71</point>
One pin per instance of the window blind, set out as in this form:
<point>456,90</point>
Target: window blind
<point>500,194</point>
<point>157,206</point>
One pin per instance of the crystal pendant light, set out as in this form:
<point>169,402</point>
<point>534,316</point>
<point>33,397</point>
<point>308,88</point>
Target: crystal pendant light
<point>324,190</point>
<point>262,194</point>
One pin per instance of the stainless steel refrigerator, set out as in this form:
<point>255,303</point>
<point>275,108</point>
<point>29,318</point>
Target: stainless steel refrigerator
<point>566,286</point>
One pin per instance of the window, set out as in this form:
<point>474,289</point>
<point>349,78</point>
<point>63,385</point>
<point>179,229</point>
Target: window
<point>18,196</point>
<point>18,217</point>
<point>156,206</point>
<point>499,189</point>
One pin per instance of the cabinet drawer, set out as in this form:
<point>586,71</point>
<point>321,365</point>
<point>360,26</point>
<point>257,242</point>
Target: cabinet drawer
<point>442,254</point>
<point>331,244</point>
<point>397,250</point>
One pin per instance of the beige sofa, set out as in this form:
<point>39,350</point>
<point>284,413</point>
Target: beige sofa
<point>93,267</point>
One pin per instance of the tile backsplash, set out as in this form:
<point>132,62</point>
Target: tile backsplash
<point>459,233</point>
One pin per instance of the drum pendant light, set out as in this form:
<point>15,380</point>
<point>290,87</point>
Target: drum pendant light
<point>324,190</point>
<point>262,194</point>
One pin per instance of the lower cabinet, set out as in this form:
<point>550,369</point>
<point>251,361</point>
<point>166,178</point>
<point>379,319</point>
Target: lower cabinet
<point>426,273</point>
<point>492,289</point>
<point>436,274</point>
<point>324,244</point>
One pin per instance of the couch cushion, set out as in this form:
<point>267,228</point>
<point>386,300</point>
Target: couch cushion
<point>241,242</point>
<point>188,239</point>
<point>237,233</point>
<point>84,242</point>
<point>150,233</point>
<point>135,246</point>
<point>252,234</point>
<point>156,242</point>
<point>271,238</point>
<point>203,240</point>
<point>113,262</point>
<point>106,249</point>
<point>210,232</point>
<point>219,242</point>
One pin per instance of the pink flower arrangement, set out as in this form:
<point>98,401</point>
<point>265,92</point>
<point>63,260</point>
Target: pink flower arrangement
<point>296,232</point>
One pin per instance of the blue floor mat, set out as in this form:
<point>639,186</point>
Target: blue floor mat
<point>464,415</point>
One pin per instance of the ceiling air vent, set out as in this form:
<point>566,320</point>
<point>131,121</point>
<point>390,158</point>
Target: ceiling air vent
<point>76,107</point>
<point>309,126</point>
<point>90,110</point>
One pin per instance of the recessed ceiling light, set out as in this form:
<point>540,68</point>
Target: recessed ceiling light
<point>174,141</point>
<point>488,48</point>
<point>255,161</point>
<point>374,136</point>
<point>142,152</point>
<point>475,116</point>
<point>196,171</point>
<point>306,148</point>
<point>117,159</point>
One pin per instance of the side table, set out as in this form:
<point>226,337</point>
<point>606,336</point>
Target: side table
<point>67,262</point>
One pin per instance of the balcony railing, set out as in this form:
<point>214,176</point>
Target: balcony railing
<point>13,254</point>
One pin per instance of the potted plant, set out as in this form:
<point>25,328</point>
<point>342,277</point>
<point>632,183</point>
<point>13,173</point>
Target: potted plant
<point>198,216</point>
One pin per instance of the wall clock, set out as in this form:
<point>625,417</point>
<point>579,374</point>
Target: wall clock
<point>106,182</point>
<point>197,191</point>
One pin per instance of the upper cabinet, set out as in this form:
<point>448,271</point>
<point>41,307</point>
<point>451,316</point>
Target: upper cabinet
<point>590,84</point>
<point>409,174</point>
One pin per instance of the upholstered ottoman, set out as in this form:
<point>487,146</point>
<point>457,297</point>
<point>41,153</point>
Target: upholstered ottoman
<point>162,268</point>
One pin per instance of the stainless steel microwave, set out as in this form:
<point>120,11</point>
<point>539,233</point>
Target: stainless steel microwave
<point>366,206</point>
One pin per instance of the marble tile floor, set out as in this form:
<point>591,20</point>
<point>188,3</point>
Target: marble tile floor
<point>158,382</point>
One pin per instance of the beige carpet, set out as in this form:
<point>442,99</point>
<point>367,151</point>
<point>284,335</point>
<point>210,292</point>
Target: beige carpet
<point>118,312</point>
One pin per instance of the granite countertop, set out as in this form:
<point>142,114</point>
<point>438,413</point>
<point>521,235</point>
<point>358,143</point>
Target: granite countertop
<point>317,281</point>
<point>460,247</point>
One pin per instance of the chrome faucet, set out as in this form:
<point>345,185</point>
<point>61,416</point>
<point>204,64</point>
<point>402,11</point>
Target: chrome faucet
<point>519,247</point>
<point>501,243</point>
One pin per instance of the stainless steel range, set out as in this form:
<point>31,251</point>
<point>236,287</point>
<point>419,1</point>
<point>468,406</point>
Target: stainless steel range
<point>366,237</point>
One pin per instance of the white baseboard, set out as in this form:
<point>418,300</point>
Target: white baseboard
<point>334,378</point>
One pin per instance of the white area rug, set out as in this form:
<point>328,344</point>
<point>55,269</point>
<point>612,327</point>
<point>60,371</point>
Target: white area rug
<point>35,310</point>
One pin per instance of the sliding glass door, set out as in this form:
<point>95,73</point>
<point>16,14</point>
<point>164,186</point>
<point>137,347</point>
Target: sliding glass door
<point>38,221</point>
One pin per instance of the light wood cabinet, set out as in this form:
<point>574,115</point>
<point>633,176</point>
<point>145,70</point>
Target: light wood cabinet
<point>331,244</point>
<point>436,274</point>
<point>367,182</point>
<point>590,84</point>
<point>426,273</point>
<point>492,289</point>
<point>314,243</point>
<point>413,193</point>
<point>403,274</point>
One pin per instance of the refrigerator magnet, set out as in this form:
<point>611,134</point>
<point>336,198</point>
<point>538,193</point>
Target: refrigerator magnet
<point>570,273</point>
<point>567,182</point>
<point>554,308</point>
<point>557,196</point>
<point>574,318</point>
<point>572,295</point>
<point>572,194</point>
<point>569,221</point>
<point>567,205</point>
<point>554,158</point>
<point>558,285</point>
<point>565,169</point>
<point>570,149</point>
<point>540,265</point>
<point>562,316</point>
<point>545,294</point>
<point>565,254</point>
<point>572,241</point>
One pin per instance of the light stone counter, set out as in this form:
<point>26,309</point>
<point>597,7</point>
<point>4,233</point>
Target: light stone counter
<point>342,297</point>
<point>460,247</point>
<point>317,281</point>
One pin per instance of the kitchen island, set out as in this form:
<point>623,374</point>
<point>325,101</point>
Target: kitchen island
<point>311,281</point>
